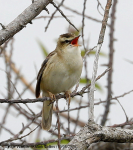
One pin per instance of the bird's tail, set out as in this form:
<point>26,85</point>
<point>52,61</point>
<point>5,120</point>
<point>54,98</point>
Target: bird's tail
<point>47,115</point>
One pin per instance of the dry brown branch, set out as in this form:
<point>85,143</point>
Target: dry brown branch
<point>99,4</point>
<point>58,125</point>
<point>16,137</point>
<point>73,120</point>
<point>83,23</point>
<point>78,113</point>
<point>4,117</point>
<point>110,64</point>
<point>97,103</point>
<point>122,124</point>
<point>21,77</point>
<point>84,88</point>
<point>45,17</point>
<point>9,131</point>
<point>10,90</point>
<point>123,110</point>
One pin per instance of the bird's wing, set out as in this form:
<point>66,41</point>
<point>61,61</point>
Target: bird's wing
<point>39,76</point>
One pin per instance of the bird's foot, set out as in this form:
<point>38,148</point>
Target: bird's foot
<point>67,94</point>
<point>52,96</point>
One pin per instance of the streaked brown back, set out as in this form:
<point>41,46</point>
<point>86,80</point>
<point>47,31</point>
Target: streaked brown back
<point>39,76</point>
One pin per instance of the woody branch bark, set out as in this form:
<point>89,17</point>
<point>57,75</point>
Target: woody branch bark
<point>110,64</point>
<point>22,20</point>
<point>95,66</point>
<point>95,133</point>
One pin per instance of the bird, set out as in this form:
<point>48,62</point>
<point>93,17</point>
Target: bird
<point>59,72</point>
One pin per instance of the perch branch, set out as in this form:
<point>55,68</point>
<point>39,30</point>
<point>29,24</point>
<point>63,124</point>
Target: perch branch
<point>23,19</point>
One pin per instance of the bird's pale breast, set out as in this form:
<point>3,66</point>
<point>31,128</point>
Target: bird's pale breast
<point>61,75</point>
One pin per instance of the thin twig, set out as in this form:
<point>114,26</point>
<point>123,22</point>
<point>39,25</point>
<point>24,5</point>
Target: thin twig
<point>123,110</point>
<point>77,116</point>
<point>20,96</point>
<point>53,15</point>
<point>83,23</point>
<point>97,103</point>
<point>45,17</point>
<point>99,4</point>
<point>9,87</point>
<point>4,117</point>
<point>21,77</point>
<point>64,15</point>
<point>16,137</point>
<point>68,120</point>
<point>58,124</point>
<point>9,131</point>
<point>87,52</point>
<point>122,124</point>
<point>76,12</point>
<point>27,88</point>
<point>3,27</point>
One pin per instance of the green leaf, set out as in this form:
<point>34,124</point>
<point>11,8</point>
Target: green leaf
<point>84,81</point>
<point>93,53</point>
<point>43,48</point>
<point>98,87</point>
<point>82,53</point>
<point>65,142</point>
<point>50,145</point>
<point>101,53</point>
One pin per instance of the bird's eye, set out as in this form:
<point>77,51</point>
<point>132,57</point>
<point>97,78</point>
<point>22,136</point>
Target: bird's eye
<point>66,41</point>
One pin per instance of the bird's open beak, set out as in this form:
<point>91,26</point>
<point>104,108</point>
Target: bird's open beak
<point>74,42</point>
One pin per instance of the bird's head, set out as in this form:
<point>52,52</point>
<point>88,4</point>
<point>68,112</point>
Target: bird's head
<point>67,40</point>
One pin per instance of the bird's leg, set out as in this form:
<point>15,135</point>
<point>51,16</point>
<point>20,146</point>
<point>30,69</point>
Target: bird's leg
<point>52,96</point>
<point>67,94</point>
